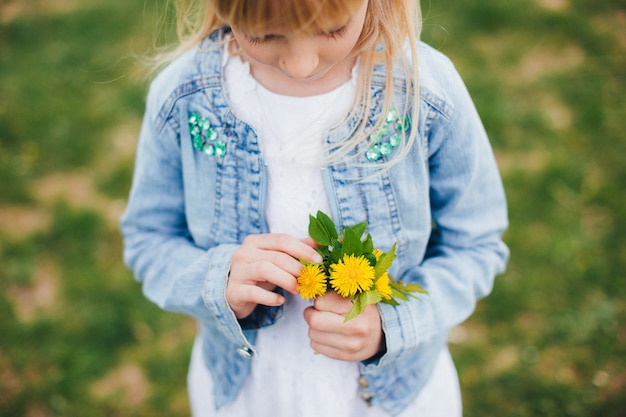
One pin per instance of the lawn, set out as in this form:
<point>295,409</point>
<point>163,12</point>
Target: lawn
<point>77,337</point>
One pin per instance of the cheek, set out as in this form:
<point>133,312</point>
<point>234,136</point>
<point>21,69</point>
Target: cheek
<point>340,51</point>
<point>256,54</point>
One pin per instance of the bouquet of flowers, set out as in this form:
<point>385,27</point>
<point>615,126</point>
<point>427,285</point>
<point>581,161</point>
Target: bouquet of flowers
<point>352,267</point>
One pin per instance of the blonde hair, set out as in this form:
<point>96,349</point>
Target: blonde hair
<point>389,26</point>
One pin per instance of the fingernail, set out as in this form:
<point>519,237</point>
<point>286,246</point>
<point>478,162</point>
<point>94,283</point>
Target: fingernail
<point>317,258</point>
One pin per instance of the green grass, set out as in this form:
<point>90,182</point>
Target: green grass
<point>76,333</point>
<point>553,328</point>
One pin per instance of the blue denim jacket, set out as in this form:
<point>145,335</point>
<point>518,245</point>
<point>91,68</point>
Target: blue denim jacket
<point>443,204</point>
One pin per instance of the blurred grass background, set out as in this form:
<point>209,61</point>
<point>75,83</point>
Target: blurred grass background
<point>78,339</point>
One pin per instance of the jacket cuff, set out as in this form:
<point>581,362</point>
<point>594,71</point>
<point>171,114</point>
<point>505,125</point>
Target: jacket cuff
<point>214,296</point>
<point>263,316</point>
<point>406,327</point>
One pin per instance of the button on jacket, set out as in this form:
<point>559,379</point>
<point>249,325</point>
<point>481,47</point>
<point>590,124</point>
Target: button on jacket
<point>189,211</point>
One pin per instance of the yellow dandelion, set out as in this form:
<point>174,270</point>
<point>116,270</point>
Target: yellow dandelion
<point>350,275</point>
<point>377,253</point>
<point>312,281</point>
<point>382,286</point>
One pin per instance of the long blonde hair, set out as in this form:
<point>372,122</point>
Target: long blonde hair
<point>389,26</point>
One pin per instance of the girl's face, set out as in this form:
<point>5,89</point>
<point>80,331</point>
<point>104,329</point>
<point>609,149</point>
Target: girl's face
<point>296,63</point>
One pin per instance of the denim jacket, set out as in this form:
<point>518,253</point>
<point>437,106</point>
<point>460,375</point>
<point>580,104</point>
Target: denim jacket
<point>189,211</point>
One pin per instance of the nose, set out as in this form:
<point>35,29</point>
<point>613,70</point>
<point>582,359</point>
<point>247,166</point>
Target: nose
<point>299,60</point>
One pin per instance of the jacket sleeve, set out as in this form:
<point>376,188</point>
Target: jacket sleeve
<point>465,250</point>
<point>175,273</point>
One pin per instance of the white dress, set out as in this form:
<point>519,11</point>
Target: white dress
<point>288,379</point>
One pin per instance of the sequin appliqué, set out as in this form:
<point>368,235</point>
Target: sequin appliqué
<point>388,136</point>
<point>204,138</point>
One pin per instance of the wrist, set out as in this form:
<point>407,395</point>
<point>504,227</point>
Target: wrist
<point>382,349</point>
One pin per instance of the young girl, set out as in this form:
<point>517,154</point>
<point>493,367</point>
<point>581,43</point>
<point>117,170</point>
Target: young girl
<point>273,110</point>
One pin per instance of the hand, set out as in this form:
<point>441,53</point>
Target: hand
<point>262,263</point>
<point>355,340</point>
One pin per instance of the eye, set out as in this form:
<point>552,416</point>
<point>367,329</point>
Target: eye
<point>337,33</point>
<point>254,40</point>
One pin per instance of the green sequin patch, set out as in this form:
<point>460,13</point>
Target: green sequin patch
<point>388,136</point>
<point>204,138</point>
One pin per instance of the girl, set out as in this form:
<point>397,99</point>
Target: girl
<point>275,109</point>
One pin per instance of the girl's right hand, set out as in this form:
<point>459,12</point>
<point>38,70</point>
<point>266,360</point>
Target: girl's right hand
<point>262,263</point>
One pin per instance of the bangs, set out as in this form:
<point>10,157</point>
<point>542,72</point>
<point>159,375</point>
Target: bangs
<point>258,17</point>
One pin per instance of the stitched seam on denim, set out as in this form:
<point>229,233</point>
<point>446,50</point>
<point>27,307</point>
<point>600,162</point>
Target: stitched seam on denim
<point>392,203</point>
<point>218,200</point>
<point>439,104</point>
<point>237,193</point>
<point>362,196</point>
<point>189,88</point>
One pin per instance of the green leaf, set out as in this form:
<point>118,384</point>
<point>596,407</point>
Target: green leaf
<point>328,224</point>
<point>370,258</point>
<point>359,229</point>
<point>415,288</point>
<point>323,251</point>
<point>318,233</point>
<point>390,301</point>
<point>352,244</point>
<point>400,295</point>
<point>384,262</point>
<point>304,261</point>
<point>361,301</point>
<point>368,244</point>
<point>403,292</point>
<point>336,253</point>
<point>371,297</point>
<point>357,308</point>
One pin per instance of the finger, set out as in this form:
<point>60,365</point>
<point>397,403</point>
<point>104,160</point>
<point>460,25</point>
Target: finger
<point>365,325</point>
<point>333,302</point>
<point>255,273</point>
<point>246,294</point>
<point>285,243</point>
<point>331,352</point>
<point>325,321</point>
<point>341,354</point>
<point>345,354</point>
<point>246,256</point>
<point>310,242</point>
<point>358,346</point>
<point>284,262</point>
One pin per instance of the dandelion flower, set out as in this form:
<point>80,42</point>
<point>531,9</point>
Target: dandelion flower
<point>312,281</point>
<point>383,287</point>
<point>377,253</point>
<point>351,275</point>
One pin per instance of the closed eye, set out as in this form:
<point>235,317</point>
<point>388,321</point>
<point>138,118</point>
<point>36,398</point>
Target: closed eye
<point>261,40</point>
<point>338,33</point>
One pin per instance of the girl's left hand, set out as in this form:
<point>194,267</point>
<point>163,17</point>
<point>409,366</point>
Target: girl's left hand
<point>355,340</point>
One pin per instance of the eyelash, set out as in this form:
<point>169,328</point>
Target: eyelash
<point>258,41</point>
<point>330,35</point>
<point>336,33</point>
